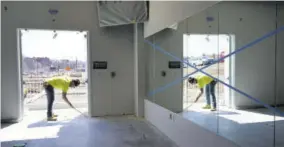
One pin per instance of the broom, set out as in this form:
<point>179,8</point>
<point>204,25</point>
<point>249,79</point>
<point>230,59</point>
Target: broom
<point>192,104</point>
<point>79,111</point>
<point>70,104</point>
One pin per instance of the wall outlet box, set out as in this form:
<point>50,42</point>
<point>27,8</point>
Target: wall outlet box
<point>170,116</point>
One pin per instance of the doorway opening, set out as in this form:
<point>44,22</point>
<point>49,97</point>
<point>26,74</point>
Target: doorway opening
<point>53,53</point>
<point>202,50</point>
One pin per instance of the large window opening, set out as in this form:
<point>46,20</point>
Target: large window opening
<point>202,50</point>
<point>53,53</point>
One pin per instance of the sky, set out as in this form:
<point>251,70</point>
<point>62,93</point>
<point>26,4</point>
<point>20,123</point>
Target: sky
<point>67,45</point>
<point>195,45</point>
<point>72,44</point>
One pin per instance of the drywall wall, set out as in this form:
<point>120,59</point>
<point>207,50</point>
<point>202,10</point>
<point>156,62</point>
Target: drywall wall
<point>114,45</point>
<point>171,41</point>
<point>256,63</point>
<point>163,14</point>
<point>182,131</point>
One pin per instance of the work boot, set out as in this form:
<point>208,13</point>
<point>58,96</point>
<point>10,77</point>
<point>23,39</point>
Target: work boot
<point>51,118</point>
<point>213,109</point>
<point>206,107</point>
<point>54,115</point>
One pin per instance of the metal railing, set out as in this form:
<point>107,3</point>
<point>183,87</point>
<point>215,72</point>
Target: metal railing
<point>33,85</point>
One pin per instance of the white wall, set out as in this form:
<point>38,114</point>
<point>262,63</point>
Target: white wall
<point>255,66</point>
<point>182,131</point>
<point>115,45</point>
<point>163,14</point>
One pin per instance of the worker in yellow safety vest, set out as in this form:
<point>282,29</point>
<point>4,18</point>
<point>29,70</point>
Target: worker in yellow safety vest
<point>61,83</point>
<point>25,92</point>
<point>209,84</point>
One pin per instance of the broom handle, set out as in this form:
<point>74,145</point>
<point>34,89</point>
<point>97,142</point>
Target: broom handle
<point>79,111</point>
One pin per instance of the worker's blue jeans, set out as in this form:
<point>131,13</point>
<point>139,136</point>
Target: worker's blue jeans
<point>210,90</point>
<point>50,99</point>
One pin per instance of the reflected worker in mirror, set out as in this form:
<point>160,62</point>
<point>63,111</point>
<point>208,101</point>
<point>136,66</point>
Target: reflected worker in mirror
<point>209,84</point>
<point>60,83</point>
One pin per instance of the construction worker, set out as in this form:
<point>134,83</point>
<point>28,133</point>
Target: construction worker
<point>60,83</point>
<point>209,84</point>
<point>25,92</point>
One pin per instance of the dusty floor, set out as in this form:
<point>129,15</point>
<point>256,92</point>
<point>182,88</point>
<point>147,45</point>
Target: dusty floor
<point>250,128</point>
<point>75,130</point>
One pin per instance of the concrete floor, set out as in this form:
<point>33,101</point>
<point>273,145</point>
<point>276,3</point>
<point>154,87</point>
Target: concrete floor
<point>250,128</point>
<point>75,130</point>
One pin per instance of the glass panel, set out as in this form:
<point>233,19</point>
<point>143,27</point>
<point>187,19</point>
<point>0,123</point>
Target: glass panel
<point>166,53</point>
<point>200,51</point>
<point>150,80</point>
<point>248,77</point>
<point>236,43</point>
<point>279,118</point>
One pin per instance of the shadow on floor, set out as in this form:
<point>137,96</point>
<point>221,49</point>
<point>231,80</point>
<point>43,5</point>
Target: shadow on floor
<point>44,123</point>
<point>5,125</point>
<point>105,132</point>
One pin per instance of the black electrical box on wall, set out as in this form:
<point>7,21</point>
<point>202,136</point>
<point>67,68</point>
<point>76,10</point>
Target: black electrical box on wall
<point>99,65</point>
<point>174,64</point>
